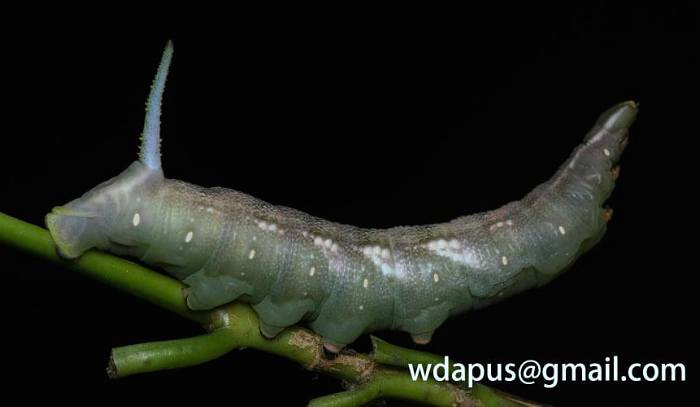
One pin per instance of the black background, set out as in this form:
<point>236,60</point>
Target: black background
<point>375,118</point>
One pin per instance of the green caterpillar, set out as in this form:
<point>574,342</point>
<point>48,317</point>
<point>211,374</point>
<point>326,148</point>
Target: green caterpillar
<point>343,280</point>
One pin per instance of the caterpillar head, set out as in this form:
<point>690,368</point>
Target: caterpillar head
<point>81,224</point>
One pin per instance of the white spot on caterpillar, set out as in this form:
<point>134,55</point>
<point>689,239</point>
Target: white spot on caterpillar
<point>365,283</point>
<point>318,241</point>
<point>255,238</point>
<point>312,271</point>
<point>606,152</point>
<point>306,293</point>
<point>272,227</point>
<point>452,249</point>
<point>496,226</point>
<point>189,236</point>
<point>437,299</point>
<point>562,230</point>
<point>262,225</point>
<point>304,233</point>
<point>379,257</point>
<point>376,251</point>
<point>191,220</point>
<point>334,248</point>
<point>362,307</point>
<point>225,318</point>
<point>504,260</point>
<point>501,224</point>
<point>136,220</point>
<point>242,273</point>
<point>328,243</point>
<point>251,255</point>
<point>436,277</point>
<point>210,209</point>
<point>385,253</point>
<point>389,270</point>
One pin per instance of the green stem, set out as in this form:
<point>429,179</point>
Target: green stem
<point>392,355</point>
<point>350,398</point>
<point>397,385</point>
<point>155,356</point>
<point>388,354</point>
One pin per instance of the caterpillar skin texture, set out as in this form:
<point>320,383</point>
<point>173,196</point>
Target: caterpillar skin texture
<point>343,280</point>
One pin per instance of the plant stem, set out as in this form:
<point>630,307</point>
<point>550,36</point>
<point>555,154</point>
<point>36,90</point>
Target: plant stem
<point>155,356</point>
<point>392,355</point>
<point>397,385</point>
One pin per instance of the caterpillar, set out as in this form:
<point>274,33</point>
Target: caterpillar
<point>342,280</point>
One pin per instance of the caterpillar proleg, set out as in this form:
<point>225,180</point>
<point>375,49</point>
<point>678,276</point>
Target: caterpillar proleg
<point>342,280</point>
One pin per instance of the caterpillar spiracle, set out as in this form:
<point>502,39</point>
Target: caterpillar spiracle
<point>342,280</point>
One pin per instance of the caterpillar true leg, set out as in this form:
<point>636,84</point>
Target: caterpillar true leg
<point>343,280</point>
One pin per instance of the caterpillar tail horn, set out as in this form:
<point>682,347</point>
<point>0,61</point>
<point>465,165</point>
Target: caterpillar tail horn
<point>149,155</point>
